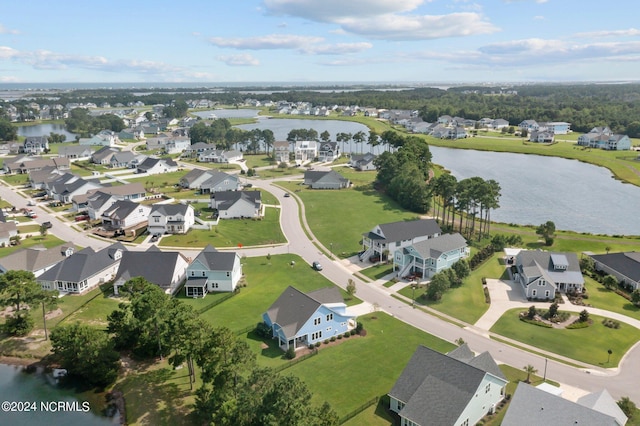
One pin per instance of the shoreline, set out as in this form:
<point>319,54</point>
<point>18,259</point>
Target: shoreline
<point>20,362</point>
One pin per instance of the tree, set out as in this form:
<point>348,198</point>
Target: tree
<point>635,297</point>
<point>610,282</point>
<point>529,369</point>
<point>85,352</point>
<point>547,231</point>
<point>325,136</point>
<point>20,290</point>
<point>437,287</point>
<point>268,138</point>
<point>7,131</point>
<point>461,268</point>
<point>48,300</point>
<point>553,310</point>
<point>532,312</point>
<point>56,138</point>
<point>584,315</point>
<point>43,230</point>
<point>627,406</point>
<point>351,287</point>
<point>359,138</point>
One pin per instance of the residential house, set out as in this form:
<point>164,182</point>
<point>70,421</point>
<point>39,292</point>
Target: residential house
<point>557,127</point>
<point>305,151</point>
<point>209,181</point>
<point>129,191</point>
<point>197,148</point>
<point>36,259</point>
<point>281,151</point>
<point>83,270</point>
<point>170,219</point>
<point>455,389</point>
<point>298,320</point>
<point>428,257</point>
<point>122,159</point>
<point>363,162</point>
<point>75,152</point>
<point>625,266</point>
<point>213,271</point>
<point>325,180</point>
<point>219,156</point>
<point>328,152</point>
<point>67,186</point>
<point>457,132</point>
<point>529,125</point>
<point>131,133</point>
<point>542,273</point>
<point>103,155</point>
<point>440,131</point>
<point>35,145</point>
<point>26,164</point>
<point>7,231</point>
<point>124,215</point>
<point>152,166</point>
<point>499,124</point>
<point>103,138</point>
<point>168,143</point>
<point>38,178</point>
<point>605,140</point>
<point>383,240</point>
<point>532,406</point>
<point>237,204</point>
<point>166,269</point>
<point>541,136</point>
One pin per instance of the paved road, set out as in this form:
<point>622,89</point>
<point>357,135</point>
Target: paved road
<point>619,382</point>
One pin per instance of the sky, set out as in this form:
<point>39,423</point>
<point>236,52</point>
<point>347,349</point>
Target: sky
<point>302,41</point>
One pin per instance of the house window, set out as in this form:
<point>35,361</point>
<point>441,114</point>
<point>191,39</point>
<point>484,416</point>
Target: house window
<point>488,388</point>
<point>465,423</point>
<point>546,293</point>
<point>214,285</point>
<point>316,321</point>
<point>204,273</point>
<point>228,274</point>
<point>156,220</point>
<point>330,317</point>
<point>193,273</point>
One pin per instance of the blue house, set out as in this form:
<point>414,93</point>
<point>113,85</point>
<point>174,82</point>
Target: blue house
<point>298,320</point>
<point>213,270</point>
<point>427,258</point>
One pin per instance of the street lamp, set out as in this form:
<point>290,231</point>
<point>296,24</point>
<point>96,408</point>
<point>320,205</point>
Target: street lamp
<point>413,295</point>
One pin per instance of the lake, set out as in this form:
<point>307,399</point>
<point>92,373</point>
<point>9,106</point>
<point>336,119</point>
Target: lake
<point>228,113</point>
<point>45,130</point>
<point>15,385</point>
<point>575,196</point>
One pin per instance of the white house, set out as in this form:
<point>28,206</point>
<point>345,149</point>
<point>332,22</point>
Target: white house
<point>124,214</point>
<point>213,271</point>
<point>387,238</point>
<point>103,138</point>
<point>237,204</point>
<point>170,218</point>
<point>153,166</point>
<point>305,151</point>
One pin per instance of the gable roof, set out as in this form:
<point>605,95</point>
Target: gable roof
<point>83,264</point>
<point>538,263</point>
<point>331,176</point>
<point>157,267</point>
<point>627,263</point>
<point>603,402</point>
<point>33,259</point>
<point>120,209</point>
<point>533,407</point>
<point>216,260</point>
<point>447,383</point>
<point>226,199</point>
<point>169,209</point>
<point>294,308</point>
<point>433,248</point>
<point>405,230</point>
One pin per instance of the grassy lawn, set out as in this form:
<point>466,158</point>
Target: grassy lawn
<point>587,345</point>
<point>258,160</point>
<point>266,280</point>
<point>211,165</point>
<point>276,172</point>
<point>231,232</point>
<point>161,182</point>
<point>360,206</point>
<point>466,302</point>
<point>378,271</point>
<point>17,179</point>
<point>47,241</point>
<point>347,358</point>
<point>600,297</point>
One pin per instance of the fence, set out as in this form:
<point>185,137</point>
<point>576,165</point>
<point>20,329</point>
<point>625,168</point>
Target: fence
<point>295,361</point>
<point>359,410</point>
<point>216,302</point>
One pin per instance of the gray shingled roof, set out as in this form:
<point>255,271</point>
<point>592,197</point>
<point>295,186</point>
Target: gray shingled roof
<point>294,308</point>
<point>537,263</point>
<point>331,176</point>
<point>120,209</point>
<point>534,407</point>
<point>226,199</point>
<point>33,259</point>
<point>83,264</point>
<point>406,230</point>
<point>155,266</point>
<point>216,260</point>
<point>436,388</point>
<point>169,209</point>
<point>434,247</point>
<point>603,402</point>
<point>627,264</point>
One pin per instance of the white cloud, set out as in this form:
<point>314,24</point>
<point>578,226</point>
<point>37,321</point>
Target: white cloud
<point>337,49</point>
<point>631,32</point>
<point>334,10</point>
<point>8,79</point>
<point>239,60</point>
<point>425,27</point>
<point>273,41</point>
<point>5,30</point>
<point>538,18</point>
<point>7,52</point>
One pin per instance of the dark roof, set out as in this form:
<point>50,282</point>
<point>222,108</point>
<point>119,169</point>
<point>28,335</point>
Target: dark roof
<point>216,260</point>
<point>169,209</point>
<point>314,176</point>
<point>406,230</point>
<point>627,263</point>
<point>436,388</point>
<point>153,265</point>
<point>434,247</point>
<point>226,199</point>
<point>33,259</point>
<point>294,308</point>
<point>83,264</point>
<point>533,407</point>
<point>121,209</point>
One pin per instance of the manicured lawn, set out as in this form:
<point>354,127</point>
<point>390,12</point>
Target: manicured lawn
<point>587,345</point>
<point>276,172</point>
<point>376,415</point>
<point>232,232</point>
<point>257,160</point>
<point>266,280</point>
<point>218,166</point>
<point>95,312</point>
<point>466,302</point>
<point>378,271</point>
<point>600,297</point>
<point>162,182</point>
<point>387,347</point>
<point>359,209</point>
<point>17,179</point>
<point>47,241</point>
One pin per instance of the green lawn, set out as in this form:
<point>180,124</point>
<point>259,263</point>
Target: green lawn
<point>359,209</point>
<point>377,271</point>
<point>47,241</point>
<point>387,347</point>
<point>587,345</point>
<point>266,280</point>
<point>16,179</point>
<point>258,160</point>
<point>232,232</point>
<point>466,302</point>
<point>602,298</point>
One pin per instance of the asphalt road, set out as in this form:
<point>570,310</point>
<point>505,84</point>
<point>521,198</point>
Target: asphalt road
<point>619,382</point>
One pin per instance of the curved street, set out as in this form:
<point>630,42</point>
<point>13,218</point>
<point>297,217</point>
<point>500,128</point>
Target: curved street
<point>619,382</point>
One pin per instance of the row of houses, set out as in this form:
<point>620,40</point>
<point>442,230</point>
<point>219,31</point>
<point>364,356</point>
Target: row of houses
<point>306,151</point>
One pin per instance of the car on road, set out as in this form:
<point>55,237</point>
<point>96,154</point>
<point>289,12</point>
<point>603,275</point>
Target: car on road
<point>47,225</point>
<point>317,266</point>
<point>287,195</point>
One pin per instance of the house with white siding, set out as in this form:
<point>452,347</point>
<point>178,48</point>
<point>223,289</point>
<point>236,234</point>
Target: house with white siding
<point>170,219</point>
<point>213,271</point>
<point>428,257</point>
<point>541,273</point>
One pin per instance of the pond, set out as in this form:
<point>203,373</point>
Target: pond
<point>228,113</point>
<point>575,196</point>
<point>18,386</point>
<point>46,130</point>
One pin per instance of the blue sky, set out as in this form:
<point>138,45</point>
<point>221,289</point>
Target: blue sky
<point>319,40</point>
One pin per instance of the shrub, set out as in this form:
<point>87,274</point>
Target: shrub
<point>487,296</point>
<point>263,330</point>
<point>346,335</point>
<point>611,323</point>
<point>291,353</point>
<point>352,332</point>
<point>359,327</point>
<point>326,341</point>
<point>311,347</point>
<point>333,338</point>
<point>578,324</point>
<point>534,322</point>
<point>339,336</point>
<point>363,332</point>
<point>317,344</point>
<point>19,325</point>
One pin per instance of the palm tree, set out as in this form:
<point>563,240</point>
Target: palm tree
<point>268,139</point>
<point>374,139</point>
<point>358,138</point>
<point>529,369</point>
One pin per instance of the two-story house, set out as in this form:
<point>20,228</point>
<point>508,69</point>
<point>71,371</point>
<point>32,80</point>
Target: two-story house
<point>170,219</point>
<point>209,181</point>
<point>328,152</point>
<point>385,239</point>
<point>35,145</point>
<point>428,257</point>
<point>125,214</point>
<point>542,273</point>
<point>213,271</point>
<point>237,204</point>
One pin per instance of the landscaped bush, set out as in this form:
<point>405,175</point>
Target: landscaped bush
<point>263,330</point>
<point>610,323</point>
<point>333,338</point>
<point>487,296</point>
<point>311,347</point>
<point>363,332</point>
<point>291,353</point>
<point>339,336</point>
<point>534,322</point>
<point>359,327</point>
<point>326,341</point>
<point>352,332</point>
<point>346,335</point>
<point>577,324</point>
<point>317,344</point>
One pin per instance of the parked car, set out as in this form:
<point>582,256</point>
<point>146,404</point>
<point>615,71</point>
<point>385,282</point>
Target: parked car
<point>317,266</point>
<point>287,195</point>
<point>82,217</point>
<point>47,225</point>
<point>154,238</point>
